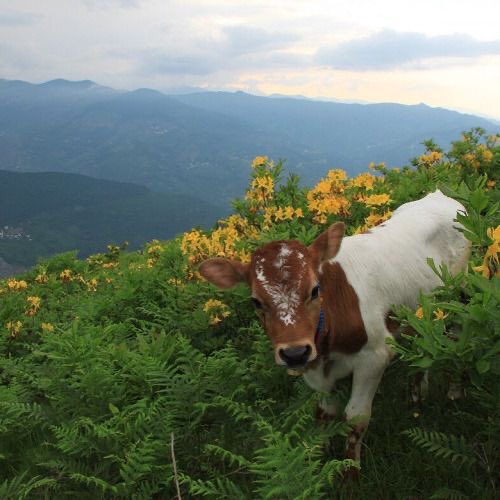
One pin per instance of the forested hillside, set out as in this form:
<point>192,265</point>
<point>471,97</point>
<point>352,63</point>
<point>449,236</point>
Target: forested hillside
<point>46,213</point>
<point>125,375</point>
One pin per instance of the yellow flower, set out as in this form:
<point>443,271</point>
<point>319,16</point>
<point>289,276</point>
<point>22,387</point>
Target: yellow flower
<point>376,199</point>
<point>34,301</point>
<point>42,278</point>
<point>34,305</point>
<point>92,285</point>
<point>47,327</point>
<point>259,161</point>
<point>439,314</point>
<point>154,249</point>
<point>491,184</point>
<point>299,212</point>
<point>212,304</point>
<point>66,275</point>
<point>289,211</point>
<point>491,258</point>
<point>15,285</point>
<point>216,311</point>
<point>365,180</point>
<point>374,219</point>
<point>419,313</point>
<point>109,265</point>
<point>327,197</point>
<point>279,214</point>
<point>244,256</point>
<point>14,328</point>
<point>430,158</point>
<point>472,160</point>
<point>175,281</point>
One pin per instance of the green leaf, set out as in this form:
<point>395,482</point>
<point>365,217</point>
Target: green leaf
<point>478,200</point>
<point>113,409</point>
<point>423,362</point>
<point>482,366</point>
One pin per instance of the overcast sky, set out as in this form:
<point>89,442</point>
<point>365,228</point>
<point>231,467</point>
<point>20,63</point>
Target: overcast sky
<point>441,52</point>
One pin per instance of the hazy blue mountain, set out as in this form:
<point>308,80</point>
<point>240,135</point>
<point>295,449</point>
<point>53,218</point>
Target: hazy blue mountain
<point>45,213</point>
<point>201,144</point>
<point>345,135</point>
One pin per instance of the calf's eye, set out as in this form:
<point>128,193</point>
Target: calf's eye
<point>315,292</point>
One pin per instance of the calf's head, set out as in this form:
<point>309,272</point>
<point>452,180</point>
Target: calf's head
<point>284,280</point>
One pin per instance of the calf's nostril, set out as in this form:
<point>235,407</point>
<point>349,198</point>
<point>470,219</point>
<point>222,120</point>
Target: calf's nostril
<point>295,356</point>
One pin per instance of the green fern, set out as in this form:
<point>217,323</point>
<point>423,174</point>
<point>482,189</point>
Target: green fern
<point>219,488</point>
<point>441,445</point>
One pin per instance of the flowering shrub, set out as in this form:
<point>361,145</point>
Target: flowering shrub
<point>114,368</point>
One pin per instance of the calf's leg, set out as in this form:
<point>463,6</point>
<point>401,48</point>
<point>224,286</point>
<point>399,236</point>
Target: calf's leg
<point>366,378</point>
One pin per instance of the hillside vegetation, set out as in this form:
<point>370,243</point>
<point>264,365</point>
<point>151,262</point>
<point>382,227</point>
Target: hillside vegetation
<point>53,212</point>
<point>126,375</point>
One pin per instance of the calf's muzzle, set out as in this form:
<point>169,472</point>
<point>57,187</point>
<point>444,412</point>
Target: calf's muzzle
<point>295,356</point>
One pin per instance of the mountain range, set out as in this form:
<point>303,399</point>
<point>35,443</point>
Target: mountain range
<point>201,144</point>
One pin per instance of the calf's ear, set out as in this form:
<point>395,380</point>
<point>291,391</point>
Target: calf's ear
<point>224,273</point>
<point>327,244</point>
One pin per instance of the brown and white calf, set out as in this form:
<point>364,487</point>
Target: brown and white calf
<point>325,306</point>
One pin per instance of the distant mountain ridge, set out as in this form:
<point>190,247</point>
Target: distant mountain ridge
<point>201,144</point>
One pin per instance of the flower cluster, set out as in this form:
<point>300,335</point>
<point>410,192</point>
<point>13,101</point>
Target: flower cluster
<point>16,285</point>
<point>66,275</point>
<point>216,310</point>
<point>481,155</point>
<point>262,186</point>
<point>372,220</point>
<point>365,181</point>
<point>375,200</point>
<point>154,250</point>
<point>327,197</point>
<point>491,259</point>
<point>47,327</point>
<point>34,303</point>
<point>224,241</point>
<point>430,158</point>
<point>14,328</point>
<point>278,214</point>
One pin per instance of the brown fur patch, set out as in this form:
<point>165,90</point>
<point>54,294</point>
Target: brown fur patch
<point>344,324</point>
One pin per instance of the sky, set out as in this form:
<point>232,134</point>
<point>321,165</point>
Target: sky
<point>440,52</point>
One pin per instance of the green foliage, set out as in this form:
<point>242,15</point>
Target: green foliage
<point>443,445</point>
<point>105,363</point>
<point>56,212</point>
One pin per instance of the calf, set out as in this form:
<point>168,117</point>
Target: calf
<point>325,306</point>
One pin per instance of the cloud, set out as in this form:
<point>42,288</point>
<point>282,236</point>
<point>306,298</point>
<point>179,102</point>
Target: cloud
<point>98,4</point>
<point>11,18</point>
<point>229,48</point>
<point>155,61</point>
<point>247,39</point>
<point>389,49</point>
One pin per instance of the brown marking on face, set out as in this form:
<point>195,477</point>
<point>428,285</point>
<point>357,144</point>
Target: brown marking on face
<point>346,330</point>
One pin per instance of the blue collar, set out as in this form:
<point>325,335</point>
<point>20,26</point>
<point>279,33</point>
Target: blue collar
<point>319,328</point>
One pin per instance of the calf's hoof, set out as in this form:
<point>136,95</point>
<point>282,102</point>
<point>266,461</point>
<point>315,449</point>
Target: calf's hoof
<point>352,474</point>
